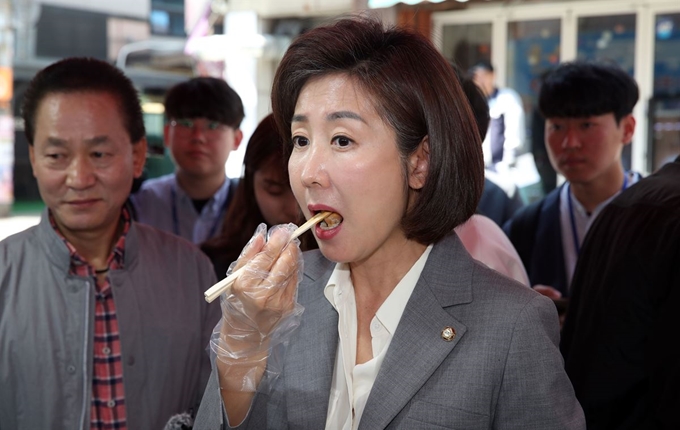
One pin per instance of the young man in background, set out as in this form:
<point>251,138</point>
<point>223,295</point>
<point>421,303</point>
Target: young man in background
<point>203,119</point>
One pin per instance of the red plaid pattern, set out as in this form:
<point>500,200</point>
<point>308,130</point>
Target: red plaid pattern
<point>107,410</point>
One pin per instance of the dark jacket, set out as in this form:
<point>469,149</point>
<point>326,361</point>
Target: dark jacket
<point>619,334</point>
<point>536,234</point>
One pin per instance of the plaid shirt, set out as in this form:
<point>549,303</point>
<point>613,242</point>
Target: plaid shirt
<point>107,410</point>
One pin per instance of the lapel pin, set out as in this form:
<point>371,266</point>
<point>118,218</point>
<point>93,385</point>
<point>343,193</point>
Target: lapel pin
<point>448,333</point>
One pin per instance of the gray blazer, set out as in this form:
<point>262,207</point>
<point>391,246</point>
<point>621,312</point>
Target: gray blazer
<point>502,370</point>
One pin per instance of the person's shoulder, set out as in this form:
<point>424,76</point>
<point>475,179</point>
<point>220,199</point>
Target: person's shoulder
<point>478,225</point>
<point>150,234</point>
<point>525,216</point>
<point>493,189</point>
<point>661,188</point>
<point>18,250</point>
<point>164,243</point>
<point>482,222</point>
<point>152,193</point>
<point>19,240</point>
<point>521,227</point>
<point>513,305</point>
<point>552,199</point>
<point>157,185</point>
<point>176,257</point>
<point>499,291</point>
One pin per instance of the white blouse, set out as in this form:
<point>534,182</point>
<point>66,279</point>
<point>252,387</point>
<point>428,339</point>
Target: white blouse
<point>352,383</point>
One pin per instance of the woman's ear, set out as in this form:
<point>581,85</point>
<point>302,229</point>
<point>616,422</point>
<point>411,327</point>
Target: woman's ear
<point>419,164</point>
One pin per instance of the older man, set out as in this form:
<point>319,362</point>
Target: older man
<point>102,321</point>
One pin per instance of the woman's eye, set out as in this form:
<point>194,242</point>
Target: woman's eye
<point>300,141</point>
<point>342,141</point>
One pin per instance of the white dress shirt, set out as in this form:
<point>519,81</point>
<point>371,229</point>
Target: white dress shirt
<point>352,383</point>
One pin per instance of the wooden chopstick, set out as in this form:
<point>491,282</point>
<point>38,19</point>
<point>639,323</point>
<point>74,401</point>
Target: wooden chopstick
<point>221,287</point>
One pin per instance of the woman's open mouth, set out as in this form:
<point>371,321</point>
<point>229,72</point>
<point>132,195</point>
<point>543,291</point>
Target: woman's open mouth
<point>331,221</point>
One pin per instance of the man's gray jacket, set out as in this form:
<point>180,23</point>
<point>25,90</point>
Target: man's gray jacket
<point>47,328</point>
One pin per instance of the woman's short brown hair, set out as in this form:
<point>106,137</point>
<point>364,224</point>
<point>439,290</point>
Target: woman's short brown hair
<point>416,92</point>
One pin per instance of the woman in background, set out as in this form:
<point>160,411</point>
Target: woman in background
<point>263,196</point>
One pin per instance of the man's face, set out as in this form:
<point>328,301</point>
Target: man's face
<point>84,161</point>
<point>199,146</point>
<point>585,149</point>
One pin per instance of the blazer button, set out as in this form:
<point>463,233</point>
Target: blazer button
<point>131,360</point>
<point>71,369</point>
<point>448,333</point>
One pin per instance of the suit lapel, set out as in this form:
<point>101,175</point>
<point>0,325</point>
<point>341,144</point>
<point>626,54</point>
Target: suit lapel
<point>309,369</point>
<point>418,347</point>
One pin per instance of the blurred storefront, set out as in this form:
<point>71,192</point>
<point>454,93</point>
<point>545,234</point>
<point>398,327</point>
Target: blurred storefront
<point>141,37</point>
<point>6,122</point>
<point>161,42</point>
<point>524,39</point>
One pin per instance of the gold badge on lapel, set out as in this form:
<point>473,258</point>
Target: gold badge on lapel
<point>448,333</point>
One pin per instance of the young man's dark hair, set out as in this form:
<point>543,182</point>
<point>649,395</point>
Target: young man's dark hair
<point>583,89</point>
<point>79,74</point>
<point>205,97</point>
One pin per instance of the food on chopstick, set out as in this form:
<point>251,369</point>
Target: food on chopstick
<point>223,286</point>
<point>331,221</point>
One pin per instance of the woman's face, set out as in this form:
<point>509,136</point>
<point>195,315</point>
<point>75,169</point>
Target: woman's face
<point>345,160</point>
<point>273,194</point>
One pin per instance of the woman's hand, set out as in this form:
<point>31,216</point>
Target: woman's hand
<point>259,313</point>
<point>265,292</point>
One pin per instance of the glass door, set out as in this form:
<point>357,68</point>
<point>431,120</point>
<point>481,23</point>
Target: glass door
<point>641,36</point>
<point>533,48</point>
<point>608,38</point>
<point>667,55</point>
<point>467,44</point>
<point>664,107</point>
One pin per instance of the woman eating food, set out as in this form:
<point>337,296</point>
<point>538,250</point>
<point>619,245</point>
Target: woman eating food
<point>390,323</point>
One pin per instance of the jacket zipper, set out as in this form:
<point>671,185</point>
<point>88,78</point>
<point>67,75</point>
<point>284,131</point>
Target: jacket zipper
<point>85,355</point>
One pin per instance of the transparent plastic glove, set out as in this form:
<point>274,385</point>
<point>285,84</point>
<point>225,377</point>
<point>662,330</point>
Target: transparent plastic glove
<point>261,312</point>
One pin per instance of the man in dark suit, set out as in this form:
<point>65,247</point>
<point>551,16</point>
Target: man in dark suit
<point>618,335</point>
